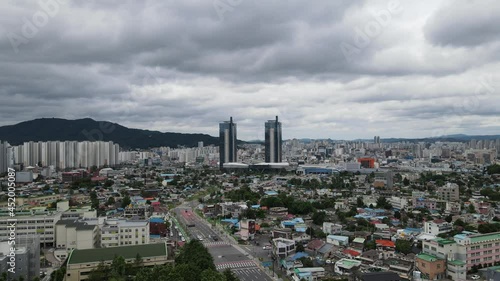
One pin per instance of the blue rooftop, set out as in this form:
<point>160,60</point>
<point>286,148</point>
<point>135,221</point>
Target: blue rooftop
<point>234,222</point>
<point>271,192</point>
<point>156,220</point>
<point>168,175</point>
<point>299,255</point>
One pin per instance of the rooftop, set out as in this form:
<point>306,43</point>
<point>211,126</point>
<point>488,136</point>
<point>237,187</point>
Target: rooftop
<point>485,237</point>
<point>348,264</point>
<point>456,262</point>
<point>107,254</point>
<point>444,241</point>
<point>427,257</point>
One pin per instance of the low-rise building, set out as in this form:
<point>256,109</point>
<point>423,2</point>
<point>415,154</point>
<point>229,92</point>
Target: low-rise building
<point>436,227</point>
<point>76,235</point>
<point>337,240</point>
<point>120,232</point>
<point>247,229</point>
<point>430,267</point>
<point>332,228</point>
<point>282,247</point>
<point>346,266</point>
<point>449,192</point>
<point>81,262</point>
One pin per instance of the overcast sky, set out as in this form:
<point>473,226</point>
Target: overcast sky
<point>330,69</point>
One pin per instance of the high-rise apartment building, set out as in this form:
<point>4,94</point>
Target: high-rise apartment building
<point>227,142</point>
<point>67,154</point>
<point>5,156</point>
<point>273,141</point>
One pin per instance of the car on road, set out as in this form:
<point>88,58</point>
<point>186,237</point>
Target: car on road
<point>267,247</point>
<point>215,238</point>
<point>199,237</point>
<point>475,277</point>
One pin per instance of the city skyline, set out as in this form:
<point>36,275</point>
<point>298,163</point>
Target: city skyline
<point>331,70</point>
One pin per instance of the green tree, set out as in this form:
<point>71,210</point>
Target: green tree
<point>230,276</point>
<point>306,262</point>
<point>300,248</point>
<point>493,169</point>
<point>102,272</point>
<point>397,215</point>
<point>111,201</point>
<point>471,209</point>
<point>448,218</point>
<point>118,267</point>
<point>459,222</point>
<point>108,183</point>
<point>58,275</point>
<point>94,201</point>
<point>319,217</point>
<point>403,246</point>
<point>126,201</point>
<point>360,203</point>
<point>212,275</point>
<point>406,182</point>
<point>370,245</point>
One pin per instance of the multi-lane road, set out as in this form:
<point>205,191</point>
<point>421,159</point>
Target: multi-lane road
<point>226,254</point>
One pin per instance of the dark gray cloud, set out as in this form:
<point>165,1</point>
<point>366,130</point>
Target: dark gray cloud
<point>465,23</point>
<point>340,69</point>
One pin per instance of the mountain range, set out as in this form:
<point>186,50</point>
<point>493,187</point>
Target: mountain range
<point>56,129</point>
<point>87,129</point>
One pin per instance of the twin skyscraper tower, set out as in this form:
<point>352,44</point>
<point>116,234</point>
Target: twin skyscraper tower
<point>228,142</point>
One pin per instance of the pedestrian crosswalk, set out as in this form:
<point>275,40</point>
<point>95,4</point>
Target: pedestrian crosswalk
<point>235,264</point>
<point>215,244</point>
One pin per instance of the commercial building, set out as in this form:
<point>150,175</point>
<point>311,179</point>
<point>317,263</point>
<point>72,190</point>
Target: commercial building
<point>157,227</point>
<point>81,262</point>
<point>247,229</point>
<point>119,232</point>
<point>367,163</point>
<point>227,142</point>
<point>282,247</point>
<point>273,141</point>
